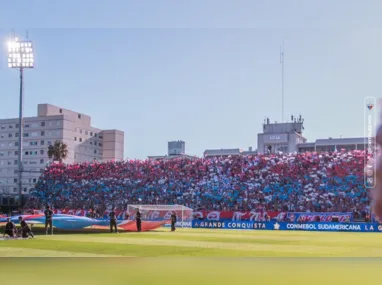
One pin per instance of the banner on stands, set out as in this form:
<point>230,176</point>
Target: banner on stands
<point>322,217</point>
<point>250,216</point>
<point>238,216</point>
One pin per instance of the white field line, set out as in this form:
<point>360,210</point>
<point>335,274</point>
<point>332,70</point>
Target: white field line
<point>28,252</point>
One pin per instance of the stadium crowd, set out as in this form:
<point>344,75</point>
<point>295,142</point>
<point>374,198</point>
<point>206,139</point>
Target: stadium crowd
<point>307,182</point>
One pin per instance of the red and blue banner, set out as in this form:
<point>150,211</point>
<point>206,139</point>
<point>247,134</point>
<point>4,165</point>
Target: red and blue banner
<point>71,222</point>
<point>319,217</point>
<point>258,216</point>
<point>262,216</point>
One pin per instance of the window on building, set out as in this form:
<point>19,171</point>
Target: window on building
<point>42,142</point>
<point>17,125</point>
<point>10,126</point>
<point>100,144</point>
<point>9,135</point>
<point>14,189</point>
<point>26,135</point>
<point>60,111</point>
<point>9,162</point>
<point>95,135</point>
<point>75,139</point>
<point>91,134</point>
<point>86,132</point>
<point>16,152</point>
<point>80,131</point>
<point>25,189</point>
<point>34,179</point>
<point>95,143</point>
<point>80,139</point>
<point>16,143</point>
<point>41,161</point>
<point>16,135</point>
<point>14,180</point>
<point>42,133</point>
<point>26,153</point>
<point>49,143</point>
<point>42,152</point>
<point>1,153</point>
<point>101,137</point>
<point>79,116</point>
<point>95,151</point>
<point>42,124</point>
<point>15,162</point>
<point>91,142</point>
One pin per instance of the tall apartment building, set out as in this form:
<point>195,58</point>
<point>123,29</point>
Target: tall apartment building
<point>85,144</point>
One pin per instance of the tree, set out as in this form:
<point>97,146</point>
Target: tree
<point>58,151</point>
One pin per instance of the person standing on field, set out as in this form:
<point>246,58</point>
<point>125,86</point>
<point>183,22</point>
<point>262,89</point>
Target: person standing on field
<point>48,220</point>
<point>138,220</point>
<point>173,221</point>
<point>113,221</point>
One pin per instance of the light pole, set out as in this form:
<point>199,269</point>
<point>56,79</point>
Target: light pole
<point>20,56</point>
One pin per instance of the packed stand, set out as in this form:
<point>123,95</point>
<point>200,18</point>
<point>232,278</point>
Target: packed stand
<point>309,182</point>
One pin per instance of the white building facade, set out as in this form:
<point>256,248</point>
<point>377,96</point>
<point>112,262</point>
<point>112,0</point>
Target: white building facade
<point>52,123</point>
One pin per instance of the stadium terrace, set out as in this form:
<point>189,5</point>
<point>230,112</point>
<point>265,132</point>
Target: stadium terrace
<point>299,182</point>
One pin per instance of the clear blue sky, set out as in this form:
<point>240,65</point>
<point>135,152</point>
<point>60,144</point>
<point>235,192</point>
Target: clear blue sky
<point>206,72</point>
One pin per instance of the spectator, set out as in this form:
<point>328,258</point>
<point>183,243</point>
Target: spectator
<point>308,182</point>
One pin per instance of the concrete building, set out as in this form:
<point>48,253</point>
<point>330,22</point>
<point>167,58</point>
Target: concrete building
<point>52,123</point>
<point>288,137</point>
<point>225,152</point>
<point>281,137</point>
<point>175,149</point>
<point>332,144</point>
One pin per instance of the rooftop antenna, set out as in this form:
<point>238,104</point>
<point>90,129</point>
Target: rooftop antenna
<point>282,81</point>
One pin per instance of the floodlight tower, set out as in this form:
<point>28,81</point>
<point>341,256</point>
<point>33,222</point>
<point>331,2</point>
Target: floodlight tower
<point>20,56</point>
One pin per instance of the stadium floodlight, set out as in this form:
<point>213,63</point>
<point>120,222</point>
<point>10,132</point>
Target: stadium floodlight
<point>20,56</point>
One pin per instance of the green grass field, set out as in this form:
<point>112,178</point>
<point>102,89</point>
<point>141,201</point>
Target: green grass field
<point>190,256</point>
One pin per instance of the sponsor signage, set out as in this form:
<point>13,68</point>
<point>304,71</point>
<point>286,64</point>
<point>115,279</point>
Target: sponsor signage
<point>180,225</point>
<point>275,138</point>
<point>323,226</point>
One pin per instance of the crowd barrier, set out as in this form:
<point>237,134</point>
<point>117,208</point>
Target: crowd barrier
<point>284,226</point>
